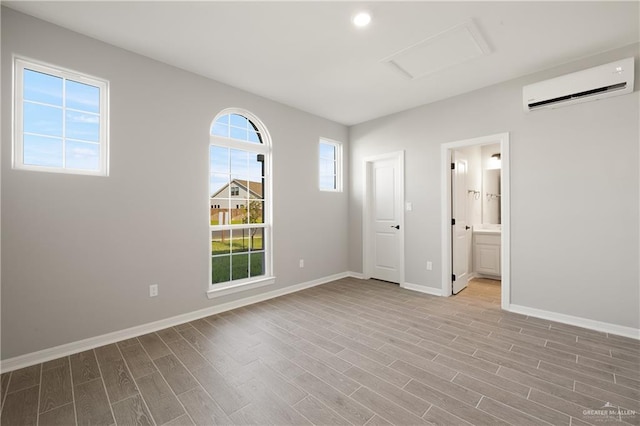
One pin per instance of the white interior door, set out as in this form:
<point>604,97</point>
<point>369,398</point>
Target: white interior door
<point>460,233</point>
<point>386,197</point>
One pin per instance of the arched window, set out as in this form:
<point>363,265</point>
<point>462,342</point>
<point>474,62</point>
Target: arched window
<point>239,188</point>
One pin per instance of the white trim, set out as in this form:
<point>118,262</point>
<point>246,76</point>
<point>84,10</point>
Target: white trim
<point>49,354</point>
<point>339,167</point>
<point>116,336</point>
<point>445,202</point>
<point>606,327</point>
<point>264,148</point>
<point>422,289</point>
<point>366,212</point>
<point>238,144</point>
<point>357,275</point>
<point>238,286</point>
<point>505,209</point>
<point>17,139</point>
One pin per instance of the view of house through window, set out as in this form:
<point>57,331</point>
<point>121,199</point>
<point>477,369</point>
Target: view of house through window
<point>237,182</point>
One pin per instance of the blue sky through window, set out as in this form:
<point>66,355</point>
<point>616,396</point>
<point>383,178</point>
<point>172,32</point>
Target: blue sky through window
<point>237,159</point>
<point>227,164</point>
<point>82,97</point>
<point>42,151</point>
<point>61,122</point>
<point>236,126</point>
<point>328,165</point>
<point>40,87</point>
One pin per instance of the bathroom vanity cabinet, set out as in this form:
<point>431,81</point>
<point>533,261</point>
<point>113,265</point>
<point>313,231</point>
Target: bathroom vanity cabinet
<point>486,253</point>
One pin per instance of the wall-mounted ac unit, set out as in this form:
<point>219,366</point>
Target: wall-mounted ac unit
<point>591,84</point>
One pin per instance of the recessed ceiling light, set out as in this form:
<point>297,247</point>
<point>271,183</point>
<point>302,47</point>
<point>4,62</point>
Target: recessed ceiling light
<point>361,19</point>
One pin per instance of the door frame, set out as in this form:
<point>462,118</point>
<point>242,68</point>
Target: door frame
<point>367,209</point>
<point>505,203</point>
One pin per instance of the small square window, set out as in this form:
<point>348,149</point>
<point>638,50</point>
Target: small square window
<point>61,122</point>
<point>330,166</point>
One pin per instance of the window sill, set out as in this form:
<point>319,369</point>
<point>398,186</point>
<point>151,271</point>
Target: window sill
<point>62,170</point>
<point>227,289</point>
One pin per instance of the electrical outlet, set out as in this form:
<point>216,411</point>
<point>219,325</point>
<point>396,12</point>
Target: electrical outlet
<point>302,263</point>
<point>153,290</point>
<point>429,266</point>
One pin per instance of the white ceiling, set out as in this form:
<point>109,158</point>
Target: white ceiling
<point>308,54</point>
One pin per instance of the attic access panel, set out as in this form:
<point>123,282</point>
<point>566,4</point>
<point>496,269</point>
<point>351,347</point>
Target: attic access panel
<point>451,47</point>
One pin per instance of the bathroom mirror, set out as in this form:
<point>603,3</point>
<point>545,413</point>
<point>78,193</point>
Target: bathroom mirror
<point>491,190</point>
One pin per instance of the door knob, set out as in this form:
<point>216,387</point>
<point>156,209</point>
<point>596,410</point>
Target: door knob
<point>397,226</point>
<point>467,227</point>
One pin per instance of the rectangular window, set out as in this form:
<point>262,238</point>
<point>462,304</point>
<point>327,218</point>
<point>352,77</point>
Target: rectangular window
<point>60,120</point>
<point>330,165</point>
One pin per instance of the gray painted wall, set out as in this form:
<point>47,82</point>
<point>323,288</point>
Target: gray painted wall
<point>574,192</point>
<point>79,252</point>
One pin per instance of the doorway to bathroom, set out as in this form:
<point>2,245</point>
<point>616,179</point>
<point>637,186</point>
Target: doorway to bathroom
<point>475,218</point>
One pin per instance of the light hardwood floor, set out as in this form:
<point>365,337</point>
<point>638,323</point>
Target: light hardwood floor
<point>348,352</point>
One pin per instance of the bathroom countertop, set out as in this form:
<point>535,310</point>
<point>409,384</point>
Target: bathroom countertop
<point>487,231</point>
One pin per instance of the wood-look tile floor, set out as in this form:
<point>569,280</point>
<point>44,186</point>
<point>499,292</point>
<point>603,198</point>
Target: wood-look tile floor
<point>348,352</point>
<point>484,289</point>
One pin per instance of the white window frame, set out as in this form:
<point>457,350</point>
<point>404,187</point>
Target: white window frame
<point>20,64</point>
<point>338,150</point>
<point>235,286</point>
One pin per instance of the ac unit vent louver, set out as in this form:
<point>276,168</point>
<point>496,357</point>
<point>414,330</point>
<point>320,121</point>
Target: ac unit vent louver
<point>600,82</point>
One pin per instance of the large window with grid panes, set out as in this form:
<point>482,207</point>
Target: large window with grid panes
<point>60,120</point>
<point>240,203</point>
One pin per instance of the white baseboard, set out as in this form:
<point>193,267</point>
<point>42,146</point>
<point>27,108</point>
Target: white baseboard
<point>422,289</point>
<point>49,354</point>
<point>606,327</point>
<point>44,355</point>
<point>357,275</point>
